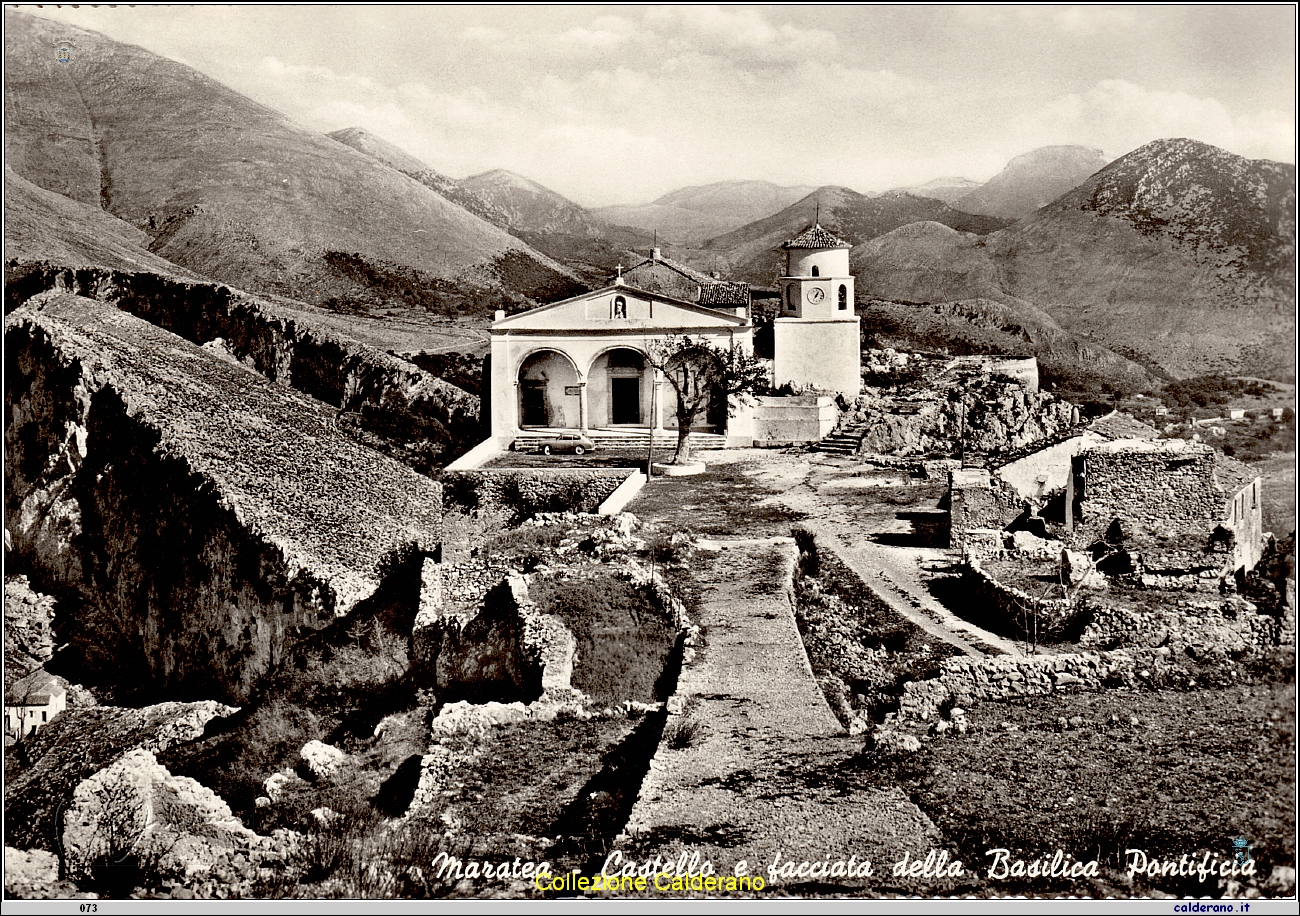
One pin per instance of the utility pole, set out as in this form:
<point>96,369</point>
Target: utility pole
<point>650,450</point>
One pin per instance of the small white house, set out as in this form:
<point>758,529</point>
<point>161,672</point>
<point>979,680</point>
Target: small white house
<point>33,702</point>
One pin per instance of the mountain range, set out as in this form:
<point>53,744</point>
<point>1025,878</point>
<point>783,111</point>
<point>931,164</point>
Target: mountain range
<point>232,190</point>
<point>689,216</point>
<point>1175,259</point>
<point>1178,255</point>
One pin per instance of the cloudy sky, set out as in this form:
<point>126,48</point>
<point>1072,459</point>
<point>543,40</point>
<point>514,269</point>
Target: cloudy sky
<point>621,104</point>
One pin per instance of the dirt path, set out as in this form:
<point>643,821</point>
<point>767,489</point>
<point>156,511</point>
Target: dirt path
<point>768,776</point>
<point>892,574</point>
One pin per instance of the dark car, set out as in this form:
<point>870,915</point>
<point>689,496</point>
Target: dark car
<point>576,443</point>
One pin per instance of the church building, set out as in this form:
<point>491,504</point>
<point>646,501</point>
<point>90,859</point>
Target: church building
<point>580,364</point>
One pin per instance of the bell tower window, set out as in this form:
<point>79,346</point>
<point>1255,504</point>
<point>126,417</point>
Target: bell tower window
<point>844,297</point>
<point>815,271</point>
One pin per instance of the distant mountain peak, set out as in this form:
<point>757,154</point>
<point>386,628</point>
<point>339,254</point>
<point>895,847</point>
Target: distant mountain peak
<point>1032,180</point>
<point>503,178</point>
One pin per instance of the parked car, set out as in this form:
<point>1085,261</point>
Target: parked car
<point>576,443</point>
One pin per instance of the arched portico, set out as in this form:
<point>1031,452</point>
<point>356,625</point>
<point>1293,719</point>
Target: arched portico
<point>550,391</point>
<point>620,390</point>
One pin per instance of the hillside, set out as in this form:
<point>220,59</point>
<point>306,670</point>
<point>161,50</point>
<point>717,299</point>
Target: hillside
<point>43,226</point>
<point>397,158</point>
<point>691,215</point>
<point>948,190</point>
<point>235,191</point>
<point>1032,180</point>
<point>1178,255</point>
<point>553,224</point>
<point>754,251</point>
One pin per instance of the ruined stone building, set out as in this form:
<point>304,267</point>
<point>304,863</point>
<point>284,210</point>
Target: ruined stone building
<point>1176,504</point>
<point>1169,504</point>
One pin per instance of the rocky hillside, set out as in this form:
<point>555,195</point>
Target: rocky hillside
<point>1178,256</point>
<point>691,215</point>
<point>200,513</point>
<point>29,636</point>
<point>1031,180</point>
<point>1078,367</point>
<point>964,412</point>
<point>754,250</point>
<point>233,190</point>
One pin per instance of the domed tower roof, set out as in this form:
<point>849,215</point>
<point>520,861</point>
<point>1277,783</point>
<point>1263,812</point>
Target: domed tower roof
<point>815,237</point>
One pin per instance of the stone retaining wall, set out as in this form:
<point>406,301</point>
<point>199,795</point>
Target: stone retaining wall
<point>1005,607</point>
<point>1218,626</point>
<point>965,681</point>
<point>527,491</point>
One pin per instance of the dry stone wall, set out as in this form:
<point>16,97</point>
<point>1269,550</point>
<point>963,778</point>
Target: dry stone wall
<point>526,492</point>
<point>1201,626</point>
<point>1002,607</point>
<point>1154,493</point>
<point>964,681</point>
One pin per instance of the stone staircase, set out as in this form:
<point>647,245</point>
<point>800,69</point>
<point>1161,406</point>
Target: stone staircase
<point>845,441</point>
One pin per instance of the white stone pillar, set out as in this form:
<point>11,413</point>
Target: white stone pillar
<point>582,406</point>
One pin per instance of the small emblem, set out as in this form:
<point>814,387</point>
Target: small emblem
<point>63,50</point>
<point>1241,848</point>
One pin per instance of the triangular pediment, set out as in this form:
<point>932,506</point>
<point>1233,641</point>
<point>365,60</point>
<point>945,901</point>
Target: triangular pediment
<point>621,307</point>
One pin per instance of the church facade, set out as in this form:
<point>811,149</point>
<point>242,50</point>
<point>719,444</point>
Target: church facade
<point>581,363</point>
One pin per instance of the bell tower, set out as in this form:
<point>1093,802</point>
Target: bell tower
<point>817,340</point>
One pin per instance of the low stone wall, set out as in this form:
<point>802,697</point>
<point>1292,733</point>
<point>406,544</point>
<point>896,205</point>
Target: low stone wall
<point>965,681</point>
<point>527,491</point>
<point>1004,608</point>
<point>1208,627</point>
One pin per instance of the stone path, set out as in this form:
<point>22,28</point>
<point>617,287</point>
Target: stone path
<point>892,574</point>
<point>768,778</point>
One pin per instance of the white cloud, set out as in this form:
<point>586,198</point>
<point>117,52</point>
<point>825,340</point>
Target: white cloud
<point>1120,116</point>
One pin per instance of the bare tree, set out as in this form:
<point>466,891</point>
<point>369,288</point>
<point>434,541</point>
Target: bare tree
<point>698,371</point>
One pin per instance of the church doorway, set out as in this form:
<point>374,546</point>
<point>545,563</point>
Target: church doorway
<point>534,403</point>
<point>625,400</point>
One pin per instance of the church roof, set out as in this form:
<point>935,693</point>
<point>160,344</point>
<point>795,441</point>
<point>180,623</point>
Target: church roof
<point>713,292</point>
<point>816,237</point>
<point>712,316</point>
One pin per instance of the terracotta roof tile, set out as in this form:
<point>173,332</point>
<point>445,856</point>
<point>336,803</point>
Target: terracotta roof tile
<point>816,237</point>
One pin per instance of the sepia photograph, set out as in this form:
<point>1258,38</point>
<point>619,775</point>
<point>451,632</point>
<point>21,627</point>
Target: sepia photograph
<point>650,453</point>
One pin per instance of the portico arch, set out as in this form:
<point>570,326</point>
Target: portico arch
<point>549,390</point>
<point>620,387</point>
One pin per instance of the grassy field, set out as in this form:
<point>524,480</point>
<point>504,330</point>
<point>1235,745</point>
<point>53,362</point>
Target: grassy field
<point>1170,773</point>
<point>1278,487</point>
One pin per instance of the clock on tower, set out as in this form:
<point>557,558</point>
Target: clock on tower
<point>816,333</point>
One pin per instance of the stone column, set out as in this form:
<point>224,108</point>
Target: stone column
<point>582,406</point>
